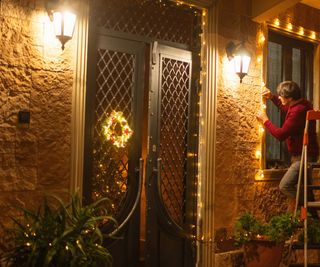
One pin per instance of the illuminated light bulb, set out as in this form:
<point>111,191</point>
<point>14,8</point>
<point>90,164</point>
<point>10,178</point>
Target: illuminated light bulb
<point>261,129</point>
<point>258,154</point>
<point>289,26</point>
<point>259,59</point>
<point>301,31</point>
<point>276,22</point>
<point>263,84</point>
<point>313,35</point>
<point>203,23</point>
<point>261,38</point>
<point>204,43</point>
<point>203,13</point>
<point>260,175</point>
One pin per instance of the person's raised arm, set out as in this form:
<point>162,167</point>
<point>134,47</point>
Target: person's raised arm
<point>266,94</point>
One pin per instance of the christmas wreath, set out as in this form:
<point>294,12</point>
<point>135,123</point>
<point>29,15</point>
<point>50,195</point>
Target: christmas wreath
<point>116,129</point>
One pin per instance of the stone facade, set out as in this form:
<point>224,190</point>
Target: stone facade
<point>36,76</point>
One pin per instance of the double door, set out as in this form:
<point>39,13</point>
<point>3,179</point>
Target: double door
<point>140,148</point>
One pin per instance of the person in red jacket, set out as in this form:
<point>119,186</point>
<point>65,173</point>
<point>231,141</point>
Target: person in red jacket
<point>289,100</point>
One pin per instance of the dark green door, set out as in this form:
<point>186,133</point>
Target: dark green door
<point>171,166</point>
<point>115,87</point>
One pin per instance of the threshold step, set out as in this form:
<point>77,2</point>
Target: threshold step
<point>302,265</point>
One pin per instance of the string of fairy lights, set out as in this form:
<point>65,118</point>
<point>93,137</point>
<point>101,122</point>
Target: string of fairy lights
<point>202,235</point>
<point>291,29</point>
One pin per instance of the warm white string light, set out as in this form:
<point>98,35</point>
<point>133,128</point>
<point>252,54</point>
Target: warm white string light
<point>299,30</point>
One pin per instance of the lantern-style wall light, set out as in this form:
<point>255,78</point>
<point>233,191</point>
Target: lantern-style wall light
<point>63,18</point>
<point>240,58</point>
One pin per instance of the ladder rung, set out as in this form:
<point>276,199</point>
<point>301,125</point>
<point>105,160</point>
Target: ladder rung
<point>314,187</point>
<point>315,204</point>
<point>315,165</point>
<point>300,245</point>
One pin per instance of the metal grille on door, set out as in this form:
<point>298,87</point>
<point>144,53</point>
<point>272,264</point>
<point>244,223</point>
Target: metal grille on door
<point>114,93</point>
<point>175,84</point>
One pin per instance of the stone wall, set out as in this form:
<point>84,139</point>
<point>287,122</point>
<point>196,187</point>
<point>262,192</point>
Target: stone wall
<point>36,76</point>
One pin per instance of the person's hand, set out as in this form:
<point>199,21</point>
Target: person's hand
<point>266,93</point>
<point>262,117</point>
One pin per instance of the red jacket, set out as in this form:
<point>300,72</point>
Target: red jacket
<point>293,127</point>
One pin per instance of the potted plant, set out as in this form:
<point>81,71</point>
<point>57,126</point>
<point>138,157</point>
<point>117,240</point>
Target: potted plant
<point>65,235</point>
<point>263,242</point>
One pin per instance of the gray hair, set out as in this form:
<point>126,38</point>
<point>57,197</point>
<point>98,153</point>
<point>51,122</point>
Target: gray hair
<point>289,89</point>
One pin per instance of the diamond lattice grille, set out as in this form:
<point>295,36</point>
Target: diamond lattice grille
<point>149,18</point>
<point>173,134</point>
<point>115,82</point>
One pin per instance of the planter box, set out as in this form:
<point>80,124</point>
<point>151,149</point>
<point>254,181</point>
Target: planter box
<point>263,253</point>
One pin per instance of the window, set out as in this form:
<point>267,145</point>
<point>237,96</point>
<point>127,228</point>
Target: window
<point>288,59</point>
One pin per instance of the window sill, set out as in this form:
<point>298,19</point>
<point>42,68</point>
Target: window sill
<point>271,175</point>
<point>277,174</point>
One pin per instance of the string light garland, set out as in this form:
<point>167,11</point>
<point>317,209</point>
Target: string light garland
<point>297,30</point>
<point>117,129</point>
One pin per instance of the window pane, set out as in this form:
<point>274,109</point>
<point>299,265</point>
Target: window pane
<point>296,65</point>
<point>273,148</point>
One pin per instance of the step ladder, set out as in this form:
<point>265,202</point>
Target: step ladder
<point>303,171</point>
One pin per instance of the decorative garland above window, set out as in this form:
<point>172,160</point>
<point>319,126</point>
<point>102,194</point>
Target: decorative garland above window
<point>116,129</point>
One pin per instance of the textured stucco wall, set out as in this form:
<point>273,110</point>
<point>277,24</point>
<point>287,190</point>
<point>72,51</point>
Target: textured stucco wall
<point>237,128</point>
<point>36,75</point>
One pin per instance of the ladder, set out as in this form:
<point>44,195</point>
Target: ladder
<point>311,115</point>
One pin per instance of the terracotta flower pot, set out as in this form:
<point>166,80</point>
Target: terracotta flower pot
<point>263,253</point>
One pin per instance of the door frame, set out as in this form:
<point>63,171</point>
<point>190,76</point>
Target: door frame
<point>207,109</point>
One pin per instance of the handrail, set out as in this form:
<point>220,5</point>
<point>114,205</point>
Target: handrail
<point>134,207</point>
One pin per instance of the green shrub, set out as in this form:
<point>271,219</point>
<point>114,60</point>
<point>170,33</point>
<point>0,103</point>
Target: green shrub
<point>65,235</point>
<point>247,228</point>
<point>280,228</point>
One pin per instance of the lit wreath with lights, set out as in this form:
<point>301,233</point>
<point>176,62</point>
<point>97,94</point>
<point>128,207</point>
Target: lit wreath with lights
<point>117,130</point>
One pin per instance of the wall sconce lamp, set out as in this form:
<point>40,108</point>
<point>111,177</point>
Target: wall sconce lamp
<point>63,18</point>
<point>241,58</point>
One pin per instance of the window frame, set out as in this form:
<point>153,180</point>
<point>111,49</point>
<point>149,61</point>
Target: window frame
<point>288,42</point>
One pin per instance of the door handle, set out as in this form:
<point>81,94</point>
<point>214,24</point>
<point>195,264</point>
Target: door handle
<point>135,205</point>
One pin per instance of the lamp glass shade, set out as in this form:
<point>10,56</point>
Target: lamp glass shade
<point>241,63</point>
<point>64,23</point>
<point>69,22</point>
<point>57,22</point>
